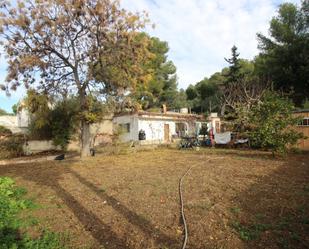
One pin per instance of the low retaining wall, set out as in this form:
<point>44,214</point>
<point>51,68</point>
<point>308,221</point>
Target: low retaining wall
<point>36,146</point>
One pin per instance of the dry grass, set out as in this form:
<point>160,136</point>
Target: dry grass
<point>233,199</point>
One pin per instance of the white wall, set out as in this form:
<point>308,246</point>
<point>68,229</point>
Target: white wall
<point>23,118</point>
<point>132,120</point>
<point>11,123</point>
<point>154,129</point>
<point>8,121</point>
<point>36,146</point>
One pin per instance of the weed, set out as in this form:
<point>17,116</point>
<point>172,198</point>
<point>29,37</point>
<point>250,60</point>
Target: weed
<point>284,243</point>
<point>200,206</point>
<point>295,236</point>
<point>305,221</point>
<point>235,210</point>
<point>250,232</point>
<point>11,205</point>
<point>260,216</point>
<point>102,190</point>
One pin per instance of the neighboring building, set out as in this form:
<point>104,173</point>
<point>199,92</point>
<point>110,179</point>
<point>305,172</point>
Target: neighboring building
<point>303,127</point>
<point>23,116</point>
<point>9,122</point>
<point>161,127</point>
<point>16,123</point>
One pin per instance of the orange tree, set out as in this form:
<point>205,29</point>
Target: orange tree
<point>272,124</point>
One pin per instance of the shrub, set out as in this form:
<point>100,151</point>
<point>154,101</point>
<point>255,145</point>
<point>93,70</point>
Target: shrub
<point>63,120</point>
<point>272,124</point>
<point>55,122</point>
<point>12,202</point>
<point>12,147</point>
<point>5,131</point>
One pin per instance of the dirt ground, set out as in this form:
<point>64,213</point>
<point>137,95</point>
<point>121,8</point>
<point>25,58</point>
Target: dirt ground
<point>233,199</point>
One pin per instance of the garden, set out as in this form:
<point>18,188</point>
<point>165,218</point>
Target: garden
<point>232,199</point>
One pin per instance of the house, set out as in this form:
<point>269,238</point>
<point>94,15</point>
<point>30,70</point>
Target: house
<point>161,127</point>
<point>303,127</point>
<point>16,123</point>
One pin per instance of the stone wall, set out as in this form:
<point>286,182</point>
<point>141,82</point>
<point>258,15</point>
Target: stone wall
<point>36,146</point>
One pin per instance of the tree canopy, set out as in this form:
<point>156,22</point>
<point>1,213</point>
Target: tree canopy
<point>233,74</point>
<point>271,122</point>
<point>162,87</point>
<point>82,47</point>
<point>284,56</point>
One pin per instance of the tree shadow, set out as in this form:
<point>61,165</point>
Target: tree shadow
<point>92,223</point>
<point>51,175</point>
<point>274,212</point>
<point>143,224</point>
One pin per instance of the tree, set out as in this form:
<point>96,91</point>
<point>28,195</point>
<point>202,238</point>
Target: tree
<point>203,96</point>
<point>191,92</point>
<point>3,112</point>
<point>162,87</point>
<point>272,124</point>
<point>14,108</point>
<point>284,56</point>
<point>57,121</point>
<point>82,47</point>
<point>180,100</point>
<point>233,74</point>
<point>241,90</point>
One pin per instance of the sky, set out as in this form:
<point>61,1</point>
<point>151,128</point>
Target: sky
<point>200,34</point>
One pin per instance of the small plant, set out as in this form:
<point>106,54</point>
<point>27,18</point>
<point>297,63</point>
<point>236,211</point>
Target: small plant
<point>235,210</point>
<point>251,231</point>
<point>5,131</point>
<point>11,147</point>
<point>12,203</point>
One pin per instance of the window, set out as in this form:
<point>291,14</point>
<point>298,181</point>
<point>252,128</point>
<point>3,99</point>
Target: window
<point>304,122</point>
<point>125,128</point>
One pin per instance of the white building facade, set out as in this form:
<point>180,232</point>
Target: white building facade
<point>158,127</point>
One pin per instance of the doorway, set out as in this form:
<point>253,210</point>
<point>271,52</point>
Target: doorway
<point>166,132</point>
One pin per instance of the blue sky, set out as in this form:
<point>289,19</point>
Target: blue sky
<point>200,34</point>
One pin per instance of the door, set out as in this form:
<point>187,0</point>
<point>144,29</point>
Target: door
<point>166,132</point>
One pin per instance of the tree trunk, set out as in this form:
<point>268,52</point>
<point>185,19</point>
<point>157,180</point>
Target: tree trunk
<point>85,127</point>
<point>222,110</point>
<point>85,139</point>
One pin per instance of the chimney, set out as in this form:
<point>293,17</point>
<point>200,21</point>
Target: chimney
<point>164,108</point>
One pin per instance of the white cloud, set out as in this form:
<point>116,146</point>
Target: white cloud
<point>201,33</point>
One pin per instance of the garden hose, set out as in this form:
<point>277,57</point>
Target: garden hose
<point>182,205</point>
<point>182,209</point>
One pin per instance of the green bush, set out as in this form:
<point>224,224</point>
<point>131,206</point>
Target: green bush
<point>5,131</point>
<point>56,123</point>
<point>272,124</point>
<point>63,122</point>
<point>12,202</point>
<point>11,147</point>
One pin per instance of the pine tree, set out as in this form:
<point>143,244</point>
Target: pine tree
<point>234,69</point>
